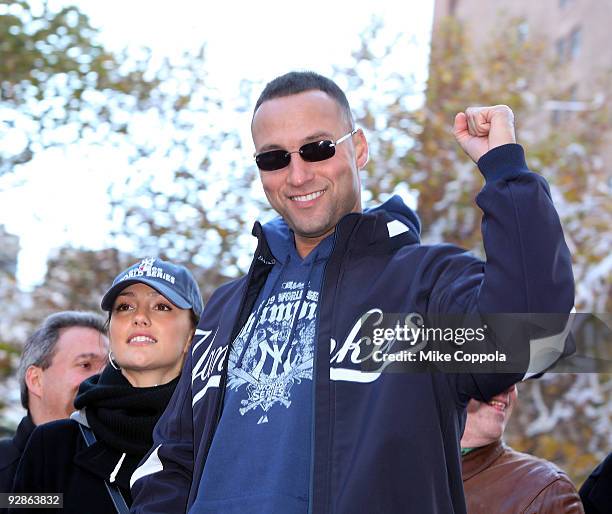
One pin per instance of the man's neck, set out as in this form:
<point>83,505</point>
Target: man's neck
<point>473,443</point>
<point>305,245</point>
<point>39,416</point>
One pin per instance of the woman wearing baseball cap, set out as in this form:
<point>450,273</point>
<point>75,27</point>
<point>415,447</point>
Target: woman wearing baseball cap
<point>153,307</point>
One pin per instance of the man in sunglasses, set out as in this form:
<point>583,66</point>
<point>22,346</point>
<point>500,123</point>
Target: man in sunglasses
<point>274,412</point>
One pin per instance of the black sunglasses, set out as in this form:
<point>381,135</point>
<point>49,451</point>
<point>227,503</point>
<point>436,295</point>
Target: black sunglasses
<point>310,152</point>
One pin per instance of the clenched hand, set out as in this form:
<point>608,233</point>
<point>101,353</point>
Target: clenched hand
<point>480,129</point>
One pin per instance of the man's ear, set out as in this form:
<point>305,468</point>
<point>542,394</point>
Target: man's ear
<point>361,149</point>
<point>34,380</point>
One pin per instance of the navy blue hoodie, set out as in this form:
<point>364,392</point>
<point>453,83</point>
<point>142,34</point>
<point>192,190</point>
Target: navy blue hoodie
<point>381,442</point>
<point>268,395</point>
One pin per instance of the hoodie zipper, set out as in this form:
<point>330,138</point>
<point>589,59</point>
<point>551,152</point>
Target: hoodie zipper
<point>329,435</point>
<point>314,382</point>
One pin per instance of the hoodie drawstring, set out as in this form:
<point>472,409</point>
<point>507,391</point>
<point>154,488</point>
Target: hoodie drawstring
<point>247,341</point>
<point>296,315</point>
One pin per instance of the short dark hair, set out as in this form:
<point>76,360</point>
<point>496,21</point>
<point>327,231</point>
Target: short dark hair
<point>296,82</point>
<point>39,349</point>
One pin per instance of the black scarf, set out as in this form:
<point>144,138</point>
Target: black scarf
<point>121,415</point>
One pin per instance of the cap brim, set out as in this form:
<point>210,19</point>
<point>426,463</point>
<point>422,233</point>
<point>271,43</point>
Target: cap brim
<point>109,298</point>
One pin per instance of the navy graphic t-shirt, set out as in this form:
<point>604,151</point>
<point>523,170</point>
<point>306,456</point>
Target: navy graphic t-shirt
<point>259,460</point>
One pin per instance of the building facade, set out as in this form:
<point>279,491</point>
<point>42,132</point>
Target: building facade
<point>578,39</point>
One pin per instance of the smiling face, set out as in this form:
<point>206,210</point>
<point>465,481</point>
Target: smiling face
<point>311,196</point>
<point>486,422</point>
<point>149,335</point>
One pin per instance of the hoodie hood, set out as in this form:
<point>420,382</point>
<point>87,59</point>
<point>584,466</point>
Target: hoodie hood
<point>395,210</point>
<point>400,219</point>
<point>280,238</point>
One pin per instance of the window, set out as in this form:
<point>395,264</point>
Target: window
<point>568,47</point>
<point>574,43</point>
<point>560,45</point>
<point>522,31</point>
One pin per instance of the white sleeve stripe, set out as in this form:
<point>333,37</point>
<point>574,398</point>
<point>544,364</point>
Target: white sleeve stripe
<point>545,351</point>
<point>213,381</point>
<point>352,375</point>
<point>148,467</point>
<point>396,228</point>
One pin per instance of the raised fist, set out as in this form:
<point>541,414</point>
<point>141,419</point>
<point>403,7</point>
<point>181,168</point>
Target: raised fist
<point>480,129</point>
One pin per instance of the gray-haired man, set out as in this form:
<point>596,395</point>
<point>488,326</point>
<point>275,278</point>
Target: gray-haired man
<point>67,348</point>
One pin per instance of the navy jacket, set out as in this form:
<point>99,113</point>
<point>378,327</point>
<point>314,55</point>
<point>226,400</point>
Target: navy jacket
<point>382,442</point>
<point>57,460</point>
<point>11,451</point>
<point>596,492</point>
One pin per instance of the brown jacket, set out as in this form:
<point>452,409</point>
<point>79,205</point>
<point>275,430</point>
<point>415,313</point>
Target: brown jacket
<point>499,480</point>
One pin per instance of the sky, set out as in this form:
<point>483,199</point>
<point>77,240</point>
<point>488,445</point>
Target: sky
<point>67,203</point>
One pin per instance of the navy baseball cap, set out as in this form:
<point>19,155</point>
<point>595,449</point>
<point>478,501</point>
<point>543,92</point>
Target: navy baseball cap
<point>174,282</point>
